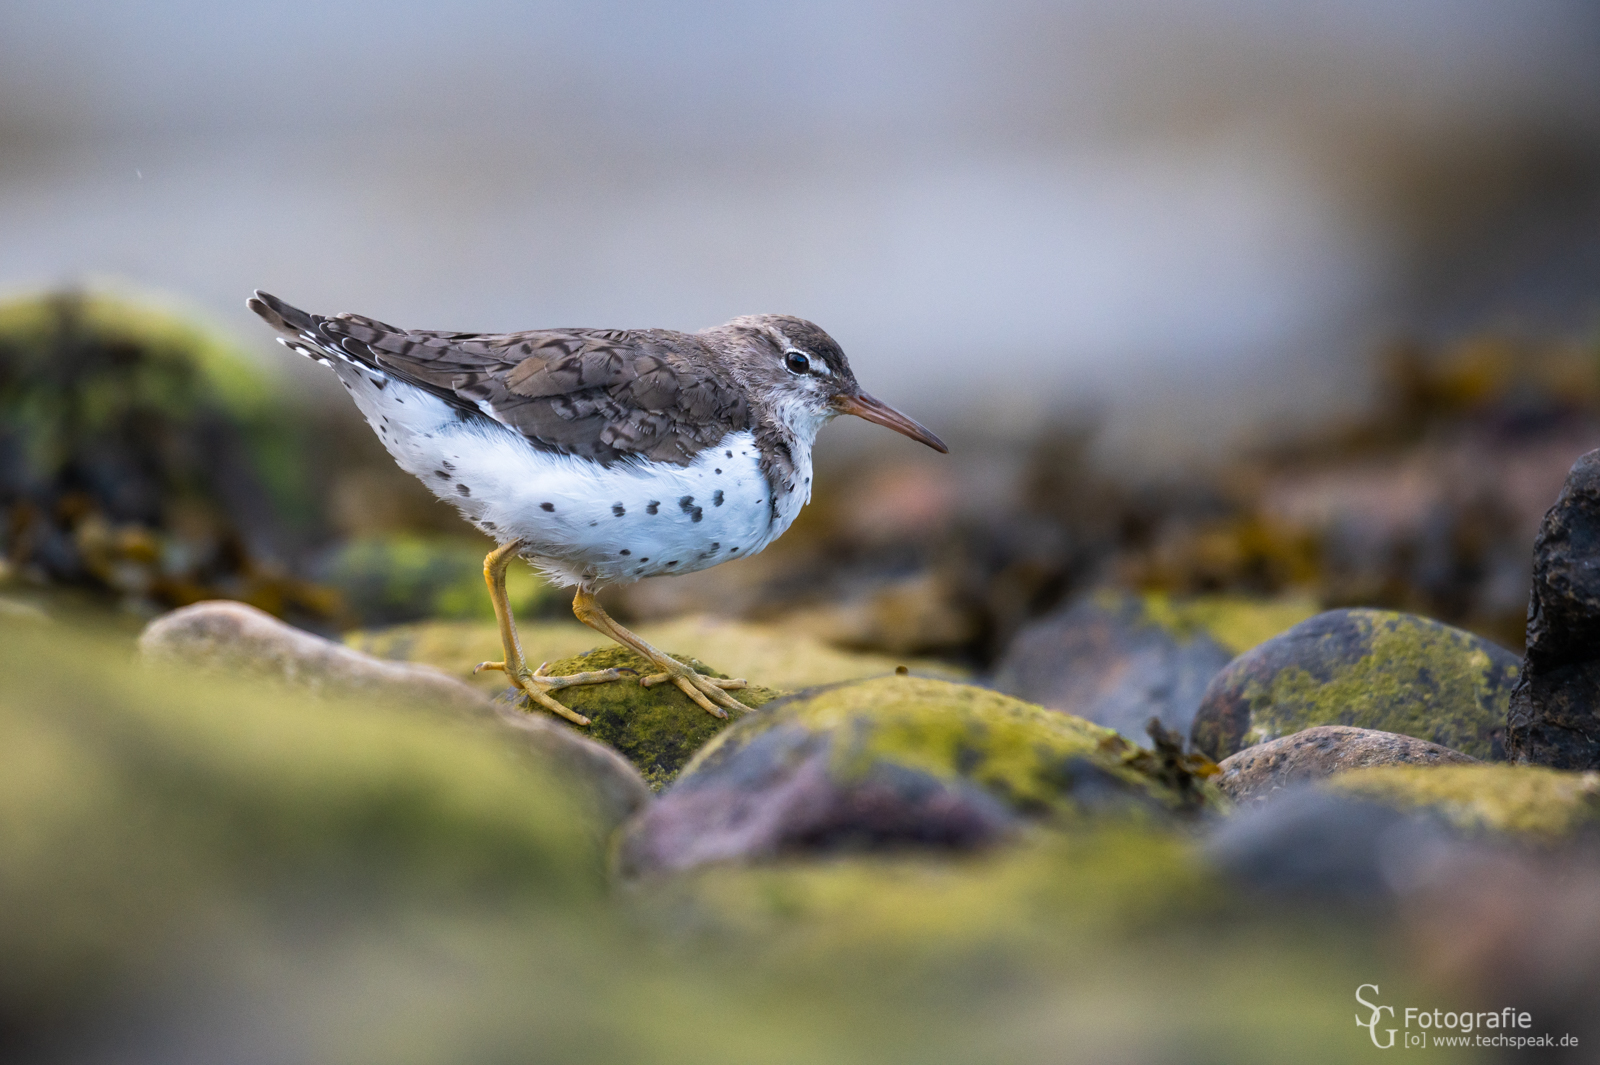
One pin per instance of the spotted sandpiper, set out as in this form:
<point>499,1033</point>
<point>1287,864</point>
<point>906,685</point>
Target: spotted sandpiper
<point>601,455</point>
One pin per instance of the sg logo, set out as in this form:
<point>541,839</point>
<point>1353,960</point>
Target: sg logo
<point>1371,1023</point>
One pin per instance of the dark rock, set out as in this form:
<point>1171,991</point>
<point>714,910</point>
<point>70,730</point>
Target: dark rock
<point>1259,772</point>
<point>1371,669</point>
<point>893,762</point>
<point>1107,660</point>
<point>1554,717</point>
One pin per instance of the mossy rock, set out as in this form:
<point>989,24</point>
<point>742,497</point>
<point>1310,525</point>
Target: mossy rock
<point>1528,801</point>
<point>900,761</point>
<point>778,658</point>
<point>1369,669</point>
<point>658,728</point>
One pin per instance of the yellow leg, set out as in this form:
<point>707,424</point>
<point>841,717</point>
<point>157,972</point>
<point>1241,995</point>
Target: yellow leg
<point>534,683</point>
<point>706,691</point>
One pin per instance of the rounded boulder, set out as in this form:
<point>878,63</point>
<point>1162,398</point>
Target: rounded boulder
<point>1371,669</point>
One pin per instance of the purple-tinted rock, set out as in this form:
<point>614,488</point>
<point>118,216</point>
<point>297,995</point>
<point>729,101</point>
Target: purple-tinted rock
<point>1256,773</point>
<point>898,761</point>
<point>1104,660</point>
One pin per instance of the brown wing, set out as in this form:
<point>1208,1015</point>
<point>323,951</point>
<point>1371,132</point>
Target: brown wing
<point>602,394</point>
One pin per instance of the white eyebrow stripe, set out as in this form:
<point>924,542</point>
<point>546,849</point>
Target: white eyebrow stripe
<point>813,361</point>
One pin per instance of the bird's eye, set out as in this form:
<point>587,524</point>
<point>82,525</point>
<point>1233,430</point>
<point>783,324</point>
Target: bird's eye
<point>797,363</point>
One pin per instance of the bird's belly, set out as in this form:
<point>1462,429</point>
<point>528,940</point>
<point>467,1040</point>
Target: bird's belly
<point>584,521</point>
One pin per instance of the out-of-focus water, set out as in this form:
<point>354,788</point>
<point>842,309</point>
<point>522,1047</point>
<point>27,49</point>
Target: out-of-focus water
<point>999,209</point>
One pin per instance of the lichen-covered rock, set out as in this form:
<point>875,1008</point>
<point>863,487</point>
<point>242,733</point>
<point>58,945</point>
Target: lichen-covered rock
<point>1118,660</point>
<point>1370,669</point>
<point>1525,801</point>
<point>657,728</point>
<point>897,761</point>
<point>1554,717</point>
<point>1257,773</point>
<point>227,638</point>
<point>767,654</point>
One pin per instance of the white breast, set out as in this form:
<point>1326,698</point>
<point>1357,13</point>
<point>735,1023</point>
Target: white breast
<point>580,520</point>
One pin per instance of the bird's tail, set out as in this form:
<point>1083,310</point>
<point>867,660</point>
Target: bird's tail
<point>300,331</point>
<point>284,317</point>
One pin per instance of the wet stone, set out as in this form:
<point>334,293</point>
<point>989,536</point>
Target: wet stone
<point>899,762</point>
<point>1369,669</point>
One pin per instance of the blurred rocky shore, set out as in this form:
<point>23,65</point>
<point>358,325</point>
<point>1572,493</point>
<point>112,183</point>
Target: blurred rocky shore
<point>1049,760</point>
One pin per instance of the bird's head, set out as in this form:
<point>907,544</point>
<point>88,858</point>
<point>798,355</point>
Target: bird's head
<point>802,376</point>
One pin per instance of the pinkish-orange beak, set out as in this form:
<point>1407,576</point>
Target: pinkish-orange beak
<point>864,406</point>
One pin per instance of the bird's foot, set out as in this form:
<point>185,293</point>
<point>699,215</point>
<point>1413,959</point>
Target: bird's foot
<point>710,693</point>
<point>537,683</point>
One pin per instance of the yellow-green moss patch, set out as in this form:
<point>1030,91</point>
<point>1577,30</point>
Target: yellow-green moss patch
<point>657,728</point>
<point>1029,756</point>
<point>1520,800</point>
<point>1234,622</point>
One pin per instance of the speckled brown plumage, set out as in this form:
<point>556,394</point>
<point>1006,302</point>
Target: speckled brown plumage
<point>602,394</point>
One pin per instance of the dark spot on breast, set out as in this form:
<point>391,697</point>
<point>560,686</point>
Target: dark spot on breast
<point>441,475</point>
<point>674,562</point>
<point>462,489</point>
<point>592,524</point>
<point>715,545</point>
<point>618,509</point>
<point>728,454</point>
<point>488,525</point>
<point>808,480</point>
<point>625,551</point>
<point>686,504</point>
<point>652,506</point>
<point>717,470</point>
<point>397,399</point>
<point>645,559</point>
<point>547,507</point>
<point>731,550</point>
<point>716,498</point>
<point>450,466</point>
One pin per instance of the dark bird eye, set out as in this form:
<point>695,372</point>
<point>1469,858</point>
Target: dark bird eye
<point>797,362</point>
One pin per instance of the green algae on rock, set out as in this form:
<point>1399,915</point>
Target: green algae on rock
<point>1527,801</point>
<point>658,728</point>
<point>1370,669</point>
<point>898,761</point>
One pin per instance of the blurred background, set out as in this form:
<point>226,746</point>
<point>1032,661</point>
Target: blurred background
<point>1231,311</point>
<point>1277,298</point>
